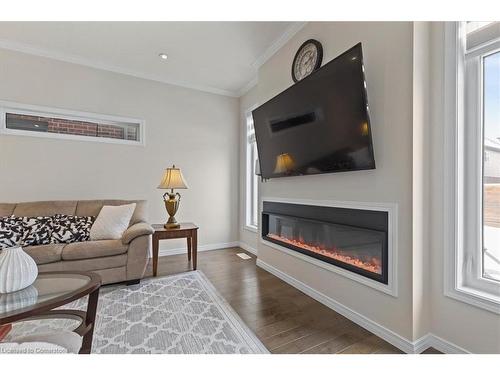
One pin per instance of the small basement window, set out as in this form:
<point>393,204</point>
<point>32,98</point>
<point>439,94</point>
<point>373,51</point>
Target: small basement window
<point>52,123</point>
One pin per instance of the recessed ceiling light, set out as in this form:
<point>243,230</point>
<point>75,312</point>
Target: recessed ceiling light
<point>163,56</point>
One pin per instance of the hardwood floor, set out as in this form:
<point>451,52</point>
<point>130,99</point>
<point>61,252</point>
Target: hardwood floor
<point>285,319</point>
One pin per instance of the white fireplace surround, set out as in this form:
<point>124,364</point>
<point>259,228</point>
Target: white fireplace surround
<point>392,210</point>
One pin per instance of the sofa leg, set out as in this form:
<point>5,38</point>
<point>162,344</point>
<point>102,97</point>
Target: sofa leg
<point>133,282</point>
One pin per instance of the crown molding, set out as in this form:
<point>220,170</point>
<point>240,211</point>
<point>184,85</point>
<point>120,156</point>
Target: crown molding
<point>253,82</point>
<point>293,29</point>
<point>270,52</point>
<point>73,59</point>
<point>289,33</point>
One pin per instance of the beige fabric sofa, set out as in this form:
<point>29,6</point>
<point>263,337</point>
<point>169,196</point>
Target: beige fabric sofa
<point>114,260</point>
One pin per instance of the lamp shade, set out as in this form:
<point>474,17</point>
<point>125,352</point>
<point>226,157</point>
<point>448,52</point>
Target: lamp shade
<point>284,163</point>
<point>172,179</point>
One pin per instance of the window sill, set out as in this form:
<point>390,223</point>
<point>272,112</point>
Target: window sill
<point>70,137</point>
<point>251,228</point>
<point>474,297</point>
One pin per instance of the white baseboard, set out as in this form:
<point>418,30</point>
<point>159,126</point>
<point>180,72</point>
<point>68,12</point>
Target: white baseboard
<point>388,335</point>
<point>183,250</point>
<point>442,345</point>
<point>395,339</point>
<point>248,248</point>
<point>422,343</point>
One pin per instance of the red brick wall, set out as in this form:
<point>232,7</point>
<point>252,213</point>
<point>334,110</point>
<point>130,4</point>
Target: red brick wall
<point>492,205</point>
<point>110,131</point>
<point>92,129</point>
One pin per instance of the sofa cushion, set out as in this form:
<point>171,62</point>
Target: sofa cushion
<point>45,208</point>
<point>11,231</point>
<point>92,264</point>
<point>43,230</point>
<point>6,209</point>
<point>69,229</point>
<point>37,230</point>
<point>93,249</point>
<point>45,253</point>
<point>93,207</point>
<point>112,222</point>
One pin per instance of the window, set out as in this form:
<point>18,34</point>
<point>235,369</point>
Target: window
<point>491,168</point>
<point>251,204</point>
<point>481,263</point>
<point>474,161</point>
<point>20,119</point>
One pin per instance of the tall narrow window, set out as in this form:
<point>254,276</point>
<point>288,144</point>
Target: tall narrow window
<point>477,166</point>
<point>251,204</point>
<point>491,165</point>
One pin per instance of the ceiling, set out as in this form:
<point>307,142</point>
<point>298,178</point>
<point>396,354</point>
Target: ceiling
<point>218,57</point>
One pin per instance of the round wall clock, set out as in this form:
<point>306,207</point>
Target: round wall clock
<point>307,59</point>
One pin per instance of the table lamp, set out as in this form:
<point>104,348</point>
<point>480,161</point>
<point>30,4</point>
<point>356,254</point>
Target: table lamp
<point>284,163</point>
<point>172,179</point>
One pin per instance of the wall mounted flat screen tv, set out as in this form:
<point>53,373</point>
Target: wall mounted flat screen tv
<point>320,124</point>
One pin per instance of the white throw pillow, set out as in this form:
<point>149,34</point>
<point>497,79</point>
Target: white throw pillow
<point>111,222</point>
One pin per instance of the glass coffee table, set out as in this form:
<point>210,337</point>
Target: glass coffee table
<point>50,291</point>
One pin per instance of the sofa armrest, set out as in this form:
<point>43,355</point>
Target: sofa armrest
<point>136,230</point>
<point>138,257</point>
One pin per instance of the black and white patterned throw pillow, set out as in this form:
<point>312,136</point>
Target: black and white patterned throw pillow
<point>68,229</point>
<point>11,231</point>
<point>37,230</point>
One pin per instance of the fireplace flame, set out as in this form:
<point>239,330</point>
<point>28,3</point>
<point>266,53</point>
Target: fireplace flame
<point>372,265</point>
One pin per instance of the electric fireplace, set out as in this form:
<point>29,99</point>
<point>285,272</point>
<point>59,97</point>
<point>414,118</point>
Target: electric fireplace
<point>353,239</point>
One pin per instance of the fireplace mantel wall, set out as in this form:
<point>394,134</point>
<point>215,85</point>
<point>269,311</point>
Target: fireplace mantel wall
<point>387,49</point>
<point>404,69</point>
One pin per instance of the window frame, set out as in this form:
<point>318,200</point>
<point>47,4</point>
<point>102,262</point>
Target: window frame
<point>462,193</point>
<point>474,172</point>
<point>251,179</point>
<point>36,110</point>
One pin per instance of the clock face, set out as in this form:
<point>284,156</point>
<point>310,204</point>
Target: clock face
<point>307,59</point>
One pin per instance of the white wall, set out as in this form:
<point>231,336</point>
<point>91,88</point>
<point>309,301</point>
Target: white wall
<point>420,179</point>
<point>387,49</point>
<point>196,131</point>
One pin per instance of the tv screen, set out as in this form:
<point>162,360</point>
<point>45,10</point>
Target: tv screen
<point>320,124</point>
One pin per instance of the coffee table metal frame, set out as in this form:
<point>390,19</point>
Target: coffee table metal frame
<point>45,309</point>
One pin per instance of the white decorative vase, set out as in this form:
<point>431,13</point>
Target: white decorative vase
<point>17,270</point>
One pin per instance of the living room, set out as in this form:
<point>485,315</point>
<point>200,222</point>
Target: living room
<point>264,186</point>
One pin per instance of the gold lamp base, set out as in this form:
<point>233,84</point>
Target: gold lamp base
<point>171,226</point>
<point>172,205</point>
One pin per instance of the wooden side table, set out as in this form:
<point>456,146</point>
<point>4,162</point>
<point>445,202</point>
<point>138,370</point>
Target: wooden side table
<point>186,230</point>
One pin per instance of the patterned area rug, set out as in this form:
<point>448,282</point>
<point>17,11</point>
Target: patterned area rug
<point>175,314</point>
